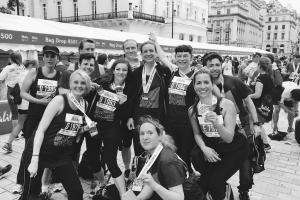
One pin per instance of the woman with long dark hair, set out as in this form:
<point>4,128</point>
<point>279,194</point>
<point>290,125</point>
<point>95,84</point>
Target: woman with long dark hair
<point>109,109</point>
<point>221,148</point>
<point>263,95</point>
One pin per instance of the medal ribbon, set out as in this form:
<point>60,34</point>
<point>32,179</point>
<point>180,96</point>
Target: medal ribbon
<point>147,84</point>
<point>80,106</point>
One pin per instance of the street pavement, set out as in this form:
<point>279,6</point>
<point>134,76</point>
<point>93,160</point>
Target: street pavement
<point>280,180</point>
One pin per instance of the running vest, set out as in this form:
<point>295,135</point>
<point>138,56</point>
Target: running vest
<point>40,88</point>
<point>60,137</point>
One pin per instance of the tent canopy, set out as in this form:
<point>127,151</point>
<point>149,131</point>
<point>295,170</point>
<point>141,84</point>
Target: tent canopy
<point>34,33</point>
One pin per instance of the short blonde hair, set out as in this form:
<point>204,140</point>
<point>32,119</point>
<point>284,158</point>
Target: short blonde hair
<point>83,75</point>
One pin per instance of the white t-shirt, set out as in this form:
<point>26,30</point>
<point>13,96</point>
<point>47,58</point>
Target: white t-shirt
<point>11,74</point>
<point>288,87</point>
<point>24,104</point>
<point>227,69</point>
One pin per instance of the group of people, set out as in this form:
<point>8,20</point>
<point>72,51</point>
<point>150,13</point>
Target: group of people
<point>177,115</point>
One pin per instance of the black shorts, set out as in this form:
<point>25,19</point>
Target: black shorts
<point>127,136</point>
<point>22,112</point>
<point>277,95</point>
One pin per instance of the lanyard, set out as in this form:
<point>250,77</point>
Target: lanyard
<point>147,84</point>
<point>80,106</point>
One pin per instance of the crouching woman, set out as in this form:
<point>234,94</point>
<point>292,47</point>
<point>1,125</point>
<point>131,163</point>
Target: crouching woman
<point>164,180</point>
<point>56,136</point>
<point>221,148</point>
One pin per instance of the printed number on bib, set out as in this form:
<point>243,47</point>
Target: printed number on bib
<point>73,124</point>
<point>179,85</point>
<point>208,128</point>
<point>46,87</point>
<point>108,100</point>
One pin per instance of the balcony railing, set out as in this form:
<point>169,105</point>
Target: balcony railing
<point>111,15</point>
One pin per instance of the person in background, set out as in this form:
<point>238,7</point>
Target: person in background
<point>251,69</point>
<point>102,63</point>
<point>11,75</point>
<point>264,88</point>
<point>221,148</point>
<point>22,107</point>
<point>130,47</point>
<point>289,101</point>
<point>227,66</point>
<point>235,64</point>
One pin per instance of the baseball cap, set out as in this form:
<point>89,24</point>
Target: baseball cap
<point>50,49</point>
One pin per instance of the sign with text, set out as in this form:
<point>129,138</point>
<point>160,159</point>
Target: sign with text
<point>5,118</point>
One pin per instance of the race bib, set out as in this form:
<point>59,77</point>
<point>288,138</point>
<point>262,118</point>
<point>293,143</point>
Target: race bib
<point>46,88</point>
<point>108,100</point>
<point>73,124</point>
<point>66,136</point>
<point>179,85</point>
<point>208,128</point>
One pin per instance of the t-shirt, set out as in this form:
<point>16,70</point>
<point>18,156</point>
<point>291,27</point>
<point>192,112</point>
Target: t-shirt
<point>235,90</point>
<point>227,69</point>
<point>288,87</point>
<point>177,98</point>
<point>168,170</point>
<point>11,74</point>
<point>268,87</point>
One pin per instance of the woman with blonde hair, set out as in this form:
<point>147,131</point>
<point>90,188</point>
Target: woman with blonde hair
<point>55,139</point>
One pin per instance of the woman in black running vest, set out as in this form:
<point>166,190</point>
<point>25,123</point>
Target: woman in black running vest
<point>109,109</point>
<point>221,148</point>
<point>39,87</point>
<point>55,139</point>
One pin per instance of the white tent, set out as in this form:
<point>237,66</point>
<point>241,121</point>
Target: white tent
<point>25,33</point>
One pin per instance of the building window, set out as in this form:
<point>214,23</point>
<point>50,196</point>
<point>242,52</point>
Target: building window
<point>276,19</point>
<point>282,36</point>
<point>191,38</point>
<point>187,13</point>
<point>275,36</point>
<point>283,26</point>
<point>181,36</point>
<point>269,27</point>
<point>23,12</point>
<point>44,11</point>
<point>228,11</point>
<point>94,8</point>
<point>218,23</point>
<point>276,27</point>
<point>178,8</point>
<point>268,36</point>
<point>199,38</point>
<point>75,9</point>
<point>268,47</point>
<point>218,12</point>
<point>270,19</point>
<point>59,10</point>
<point>140,8</point>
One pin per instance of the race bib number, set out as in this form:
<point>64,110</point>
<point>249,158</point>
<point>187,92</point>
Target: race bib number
<point>208,128</point>
<point>179,85</point>
<point>107,100</point>
<point>66,136</point>
<point>46,88</point>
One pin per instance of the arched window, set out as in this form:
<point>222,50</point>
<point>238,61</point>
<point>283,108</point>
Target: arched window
<point>181,36</point>
<point>191,38</point>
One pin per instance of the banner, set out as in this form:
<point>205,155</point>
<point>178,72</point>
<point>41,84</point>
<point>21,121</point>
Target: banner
<point>5,118</point>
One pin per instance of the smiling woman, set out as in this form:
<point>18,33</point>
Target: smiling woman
<point>55,139</point>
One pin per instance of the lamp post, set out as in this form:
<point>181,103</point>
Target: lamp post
<point>18,7</point>
<point>172,19</point>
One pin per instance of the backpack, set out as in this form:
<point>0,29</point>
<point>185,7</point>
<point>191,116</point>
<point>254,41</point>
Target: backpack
<point>265,110</point>
<point>15,93</point>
